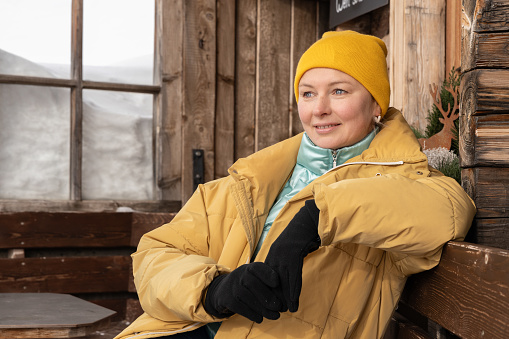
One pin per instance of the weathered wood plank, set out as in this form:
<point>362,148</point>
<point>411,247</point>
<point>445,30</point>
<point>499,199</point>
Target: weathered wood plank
<point>484,91</point>
<point>169,125</point>
<point>273,73</point>
<point>424,45</point>
<point>7,206</point>
<point>488,187</point>
<point>485,16</point>
<point>146,222</point>
<point>303,13</point>
<point>66,230</point>
<point>492,140</point>
<point>486,50</point>
<point>409,331</point>
<point>417,39</point>
<point>65,274</point>
<point>53,230</point>
<point>485,140</point>
<point>396,54</point>
<point>245,76</point>
<point>453,35</point>
<point>490,232</point>
<point>468,293</point>
<point>225,116</point>
<point>199,88</point>
<point>76,138</point>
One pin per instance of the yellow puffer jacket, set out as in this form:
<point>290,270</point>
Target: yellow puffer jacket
<point>383,216</point>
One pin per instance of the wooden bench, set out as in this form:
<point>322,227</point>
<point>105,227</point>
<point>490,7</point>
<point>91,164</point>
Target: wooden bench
<point>79,253</point>
<point>465,296</point>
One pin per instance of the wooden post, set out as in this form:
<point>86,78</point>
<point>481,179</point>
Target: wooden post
<point>75,188</point>
<point>484,124</point>
<point>169,117</point>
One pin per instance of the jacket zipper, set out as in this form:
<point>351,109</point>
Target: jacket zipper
<point>334,157</point>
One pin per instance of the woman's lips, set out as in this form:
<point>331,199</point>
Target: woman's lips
<point>326,128</point>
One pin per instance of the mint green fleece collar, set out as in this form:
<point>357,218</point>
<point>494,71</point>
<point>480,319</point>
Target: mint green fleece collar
<point>319,160</point>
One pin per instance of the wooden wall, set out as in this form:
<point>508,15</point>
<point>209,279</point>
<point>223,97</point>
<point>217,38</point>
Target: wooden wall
<point>417,55</point>
<point>484,125</point>
<point>227,73</point>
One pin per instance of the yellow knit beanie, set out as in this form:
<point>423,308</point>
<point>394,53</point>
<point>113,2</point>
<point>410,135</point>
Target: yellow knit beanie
<point>361,56</point>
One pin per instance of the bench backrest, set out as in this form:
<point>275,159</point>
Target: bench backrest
<point>85,254</point>
<point>467,294</point>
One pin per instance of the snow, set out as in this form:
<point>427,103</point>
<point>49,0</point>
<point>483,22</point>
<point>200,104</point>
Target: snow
<point>35,135</point>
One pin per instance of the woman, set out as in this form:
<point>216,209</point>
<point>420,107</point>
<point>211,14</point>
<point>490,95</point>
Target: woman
<point>313,237</point>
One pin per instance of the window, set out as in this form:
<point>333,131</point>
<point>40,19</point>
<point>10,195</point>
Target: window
<point>76,100</point>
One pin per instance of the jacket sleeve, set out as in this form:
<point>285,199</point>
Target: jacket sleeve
<point>173,267</point>
<point>410,219</point>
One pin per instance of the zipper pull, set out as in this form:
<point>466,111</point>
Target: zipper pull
<point>334,157</point>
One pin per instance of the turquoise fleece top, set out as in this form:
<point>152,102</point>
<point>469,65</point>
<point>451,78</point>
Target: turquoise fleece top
<point>312,162</point>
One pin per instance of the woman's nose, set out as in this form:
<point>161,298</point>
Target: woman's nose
<point>322,106</point>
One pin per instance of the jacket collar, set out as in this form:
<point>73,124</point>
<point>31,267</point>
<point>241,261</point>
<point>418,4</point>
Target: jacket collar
<point>266,171</point>
<point>394,142</point>
<point>320,160</point>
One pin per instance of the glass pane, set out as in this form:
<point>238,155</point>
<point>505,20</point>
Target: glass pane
<point>35,37</point>
<point>34,142</point>
<point>117,145</point>
<point>118,40</point>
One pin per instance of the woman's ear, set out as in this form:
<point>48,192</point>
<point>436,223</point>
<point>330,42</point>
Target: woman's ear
<point>378,110</point>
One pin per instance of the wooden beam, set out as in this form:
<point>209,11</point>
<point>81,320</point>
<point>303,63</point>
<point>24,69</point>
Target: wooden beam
<point>7,206</point>
<point>467,293</point>
<point>76,128</point>
<point>225,89</point>
<point>303,13</point>
<point>199,89</point>
<point>488,187</point>
<point>273,72</point>
<point>452,36</point>
<point>169,120</point>
<point>36,81</point>
<point>486,50</point>
<point>146,222</point>
<point>245,77</point>
<point>65,274</point>
<point>54,230</point>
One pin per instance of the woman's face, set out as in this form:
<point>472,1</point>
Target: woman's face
<point>334,108</point>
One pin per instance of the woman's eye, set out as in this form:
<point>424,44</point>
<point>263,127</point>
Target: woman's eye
<point>339,91</point>
<point>307,94</point>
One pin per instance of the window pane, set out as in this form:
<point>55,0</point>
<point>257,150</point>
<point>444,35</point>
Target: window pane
<point>34,139</point>
<point>117,145</point>
<point>35,37</point>
<point>118,40</point>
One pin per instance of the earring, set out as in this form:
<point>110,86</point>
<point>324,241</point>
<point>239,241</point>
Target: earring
<point>377,119</point>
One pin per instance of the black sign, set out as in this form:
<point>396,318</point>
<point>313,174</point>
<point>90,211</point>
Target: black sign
<point>344,10</point>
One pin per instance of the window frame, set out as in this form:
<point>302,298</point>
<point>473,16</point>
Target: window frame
<point>77,84</point>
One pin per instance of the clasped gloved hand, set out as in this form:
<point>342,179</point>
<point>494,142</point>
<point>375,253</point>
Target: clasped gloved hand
<point>286,254</point>
<point>249,290</point>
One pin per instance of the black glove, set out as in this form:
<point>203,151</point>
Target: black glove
<point>286,254</point>
<point>248,290</point>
